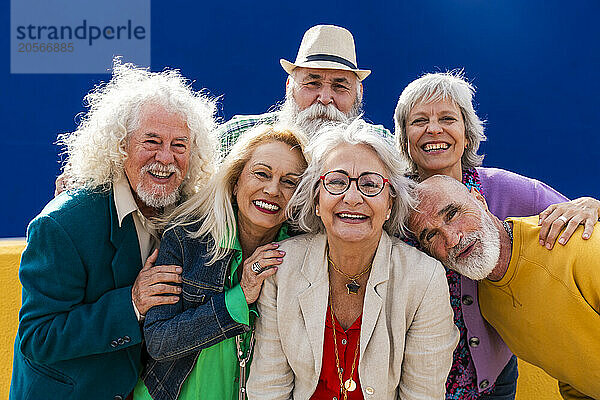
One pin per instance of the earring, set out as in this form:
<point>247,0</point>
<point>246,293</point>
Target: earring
<point>388,216</point>
<point>317,211</point>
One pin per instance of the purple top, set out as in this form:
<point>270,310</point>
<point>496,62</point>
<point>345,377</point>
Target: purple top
<point>507,195</point>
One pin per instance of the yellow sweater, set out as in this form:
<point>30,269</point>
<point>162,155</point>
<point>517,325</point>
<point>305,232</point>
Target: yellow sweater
<point>547,305</point>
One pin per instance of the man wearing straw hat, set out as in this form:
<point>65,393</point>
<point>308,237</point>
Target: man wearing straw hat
<point>324,84</point>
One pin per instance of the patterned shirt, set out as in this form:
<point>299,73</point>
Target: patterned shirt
<point>462,379</point>
<point>229,132</point>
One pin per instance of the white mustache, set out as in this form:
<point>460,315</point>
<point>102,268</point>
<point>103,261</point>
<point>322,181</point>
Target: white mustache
<point>321,111</point>
<point>463,243</point>
<point>159,167</point>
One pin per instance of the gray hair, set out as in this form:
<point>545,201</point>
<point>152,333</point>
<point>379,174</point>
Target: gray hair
<point>95,152</point>
<point>309,122</point>
<point>213,207</point>
<point>302,205</point>
<point>435,87</point>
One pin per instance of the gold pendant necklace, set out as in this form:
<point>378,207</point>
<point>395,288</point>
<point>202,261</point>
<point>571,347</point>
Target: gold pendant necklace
<point>352,286</point>
<point>349,385</point>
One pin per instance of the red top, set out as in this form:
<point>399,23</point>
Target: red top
<point>329,381</point>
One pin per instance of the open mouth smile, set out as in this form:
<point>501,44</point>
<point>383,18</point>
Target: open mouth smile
<point>161,174</point>
<point>266,207</point>
<point>435,147</point>
<point>352,218</point>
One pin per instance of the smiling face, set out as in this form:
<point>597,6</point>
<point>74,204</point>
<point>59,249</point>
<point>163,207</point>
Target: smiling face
<point>454,228</point>
<point>265,186</point>
<point>436,138</point>
<point>158,154</point>
<point>325,86</point>
<point>351,216</point>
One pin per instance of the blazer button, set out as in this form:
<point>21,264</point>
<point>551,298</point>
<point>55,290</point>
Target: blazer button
<point>467,300</point>
<point>369,390</point>
<point>114,343</point>
<point>118,397</point>
<point>474,341</point>
<point>127,339</point>
<point>484,383</point>
<point>120,341</point>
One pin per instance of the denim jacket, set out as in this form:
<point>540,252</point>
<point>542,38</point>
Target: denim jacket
<point>175,334</point>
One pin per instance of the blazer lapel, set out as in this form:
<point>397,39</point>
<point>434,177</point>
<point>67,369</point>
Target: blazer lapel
<point>314,299</point>
<point>127,262</point>
<point>375,291</point>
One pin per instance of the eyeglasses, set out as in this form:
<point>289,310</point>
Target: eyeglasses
<point>369,184</point>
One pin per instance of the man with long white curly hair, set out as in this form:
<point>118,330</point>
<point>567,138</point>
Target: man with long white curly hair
<point>324,85</point>
<point>86,272</point>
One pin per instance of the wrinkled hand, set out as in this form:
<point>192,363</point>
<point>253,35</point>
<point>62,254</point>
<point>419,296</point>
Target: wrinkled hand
<point>62,183</point>
<point>153,285</point>
<point>268,258</point>
<point>584,210</point>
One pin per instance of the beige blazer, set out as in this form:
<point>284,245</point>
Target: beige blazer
<point>407,335</point>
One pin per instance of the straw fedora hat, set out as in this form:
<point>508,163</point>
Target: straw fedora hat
<point>328,47</point>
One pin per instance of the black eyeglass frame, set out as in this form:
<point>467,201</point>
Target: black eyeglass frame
<point>350,180</point>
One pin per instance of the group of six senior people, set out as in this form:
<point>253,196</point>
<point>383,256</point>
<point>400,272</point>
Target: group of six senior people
<point>347,310</point>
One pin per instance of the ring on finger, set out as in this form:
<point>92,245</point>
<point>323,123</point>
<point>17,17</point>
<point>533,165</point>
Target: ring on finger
<point>563,219</point>
<point>256,267</point>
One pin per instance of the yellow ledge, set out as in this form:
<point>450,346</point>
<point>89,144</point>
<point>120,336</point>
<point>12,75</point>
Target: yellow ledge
<point>533,383</point>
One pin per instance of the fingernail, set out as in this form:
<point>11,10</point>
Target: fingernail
<point>561,241</point>
<point>541,242</point>
<point>586,236</point>
<point>275,244</point>
<point>548,246</point>
<point>279,259</point>
<point>178,270</point>
<point>282,252</point>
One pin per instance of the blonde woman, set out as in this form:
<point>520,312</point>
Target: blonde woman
<point>223,239</point>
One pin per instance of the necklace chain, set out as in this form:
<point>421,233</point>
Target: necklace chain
<point>508,230</point>
<point>353,286</point>
<point>344,390</point>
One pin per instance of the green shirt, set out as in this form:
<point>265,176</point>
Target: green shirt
<point>216,373</point>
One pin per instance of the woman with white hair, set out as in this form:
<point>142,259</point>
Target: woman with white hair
<point>353,312</point>
<point>438,132</point>
<point>223,240</point>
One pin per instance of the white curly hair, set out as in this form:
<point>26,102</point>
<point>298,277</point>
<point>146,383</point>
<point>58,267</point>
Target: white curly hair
<point>95,152</point>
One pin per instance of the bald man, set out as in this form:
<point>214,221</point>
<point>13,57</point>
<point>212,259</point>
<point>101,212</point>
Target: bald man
<point>545,304</point>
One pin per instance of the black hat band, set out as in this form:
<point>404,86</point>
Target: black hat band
<point>329,57</point>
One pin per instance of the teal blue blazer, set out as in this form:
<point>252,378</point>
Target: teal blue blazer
<point>78,335</point>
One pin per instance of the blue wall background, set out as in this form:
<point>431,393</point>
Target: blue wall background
<point>535,65</point>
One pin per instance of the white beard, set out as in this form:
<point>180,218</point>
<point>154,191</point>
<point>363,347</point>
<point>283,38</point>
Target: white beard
<point>483,258</point>
<point>157,197</point>
<point>313,118</point>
